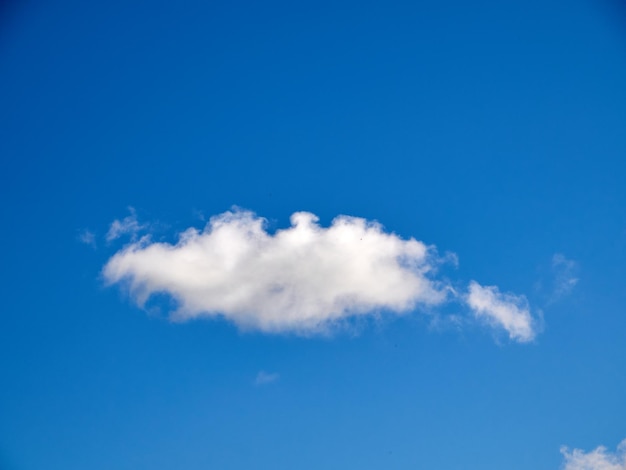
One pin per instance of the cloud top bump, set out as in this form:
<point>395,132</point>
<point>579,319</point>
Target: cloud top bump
<point>506,311</point>
<point>301,278</point>
<point>598,459</point>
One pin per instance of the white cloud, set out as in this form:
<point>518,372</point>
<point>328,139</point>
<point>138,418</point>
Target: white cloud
<point>598,459</point>
<point>303,278</point>
<point>506,311</point>
<point>264,378</point>
<point>127,226</point>
<point>565,279</point>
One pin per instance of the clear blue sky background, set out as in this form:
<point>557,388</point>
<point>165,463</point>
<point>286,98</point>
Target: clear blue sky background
<point>496,130</point>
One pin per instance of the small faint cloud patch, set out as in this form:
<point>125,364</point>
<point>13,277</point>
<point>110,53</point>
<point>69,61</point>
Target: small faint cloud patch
<point>199,215</point>
<point>451,258</point>
<point>557,280</point>
<point>129,225</point>
<point>565,272</point>
<point>87,237</point>
<point>266,378</point>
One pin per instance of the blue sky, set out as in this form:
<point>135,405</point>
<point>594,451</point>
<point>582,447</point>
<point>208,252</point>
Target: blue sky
<point>481,327</point>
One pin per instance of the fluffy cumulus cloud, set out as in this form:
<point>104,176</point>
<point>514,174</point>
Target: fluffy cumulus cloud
<point>302,278</point>
<point>502,310</point>
<point>598,459</point>
<point>305,278</point>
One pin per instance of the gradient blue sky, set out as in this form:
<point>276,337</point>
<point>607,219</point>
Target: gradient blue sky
<point>493,130</point>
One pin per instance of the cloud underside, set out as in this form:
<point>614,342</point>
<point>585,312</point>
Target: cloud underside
<point>304,278</point>
<point>597,459</point>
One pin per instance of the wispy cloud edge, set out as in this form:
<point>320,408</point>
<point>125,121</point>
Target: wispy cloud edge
<point>565,276</point>
<point>502,310</point>
<point>129,225</point>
